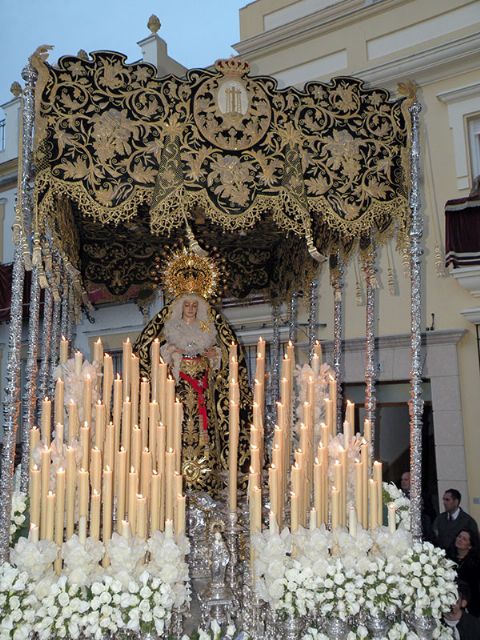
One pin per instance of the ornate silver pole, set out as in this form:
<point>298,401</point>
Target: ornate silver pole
<point>293,317</point>
<point>275,356</point>
<point>312,319</point>
<point>30,396</point>
<point>56,317</point>
<point>337,283</point>
<point>65,307</point>
<point>45,349</point>
<point>370,372</point>
<point>12,391</point>
<point>416,400</point>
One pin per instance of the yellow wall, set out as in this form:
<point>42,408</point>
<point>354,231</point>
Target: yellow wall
<point>350,25</point>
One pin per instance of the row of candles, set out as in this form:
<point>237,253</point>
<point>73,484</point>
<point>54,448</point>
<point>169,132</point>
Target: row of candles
<point>118,466</point>
<point>318,488</point>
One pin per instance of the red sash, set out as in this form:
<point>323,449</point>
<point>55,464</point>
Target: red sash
<point>199,386</point>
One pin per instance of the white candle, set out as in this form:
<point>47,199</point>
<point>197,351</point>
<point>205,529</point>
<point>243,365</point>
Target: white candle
<point>392,522</point>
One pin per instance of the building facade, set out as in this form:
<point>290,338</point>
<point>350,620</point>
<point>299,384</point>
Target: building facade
<point>384,42</point>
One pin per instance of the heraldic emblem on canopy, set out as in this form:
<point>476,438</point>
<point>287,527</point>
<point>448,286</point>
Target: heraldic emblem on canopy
<point>231,111</point>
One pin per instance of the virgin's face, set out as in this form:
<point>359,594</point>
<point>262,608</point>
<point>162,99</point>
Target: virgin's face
<point>190,308</point>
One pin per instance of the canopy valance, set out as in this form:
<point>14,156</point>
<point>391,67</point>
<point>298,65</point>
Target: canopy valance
<point>230,154</point>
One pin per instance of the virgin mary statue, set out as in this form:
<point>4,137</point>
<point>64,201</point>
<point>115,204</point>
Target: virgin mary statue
<point>194,342</point>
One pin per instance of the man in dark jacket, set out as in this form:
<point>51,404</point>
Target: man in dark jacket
<point>464,625</point>
<point>448,524</point>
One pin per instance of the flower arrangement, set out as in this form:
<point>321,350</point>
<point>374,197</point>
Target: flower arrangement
<point>18,518</point>
<point>89,601</point>
<point>427,581</point>
<point>398,631</point>
<point>380,588</point>
<point>391,493</point>
<point>69,610</point>
<point>336,575</point>
<point>215,632</point>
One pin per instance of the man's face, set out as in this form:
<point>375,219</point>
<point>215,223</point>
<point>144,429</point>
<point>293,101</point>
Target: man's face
<point>450,504</point>
<point>405,481</point>
<point>455,612</point>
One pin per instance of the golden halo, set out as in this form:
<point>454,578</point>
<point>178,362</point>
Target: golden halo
<point>187,272</point>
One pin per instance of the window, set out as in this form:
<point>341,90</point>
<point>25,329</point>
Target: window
<point>473,128</point>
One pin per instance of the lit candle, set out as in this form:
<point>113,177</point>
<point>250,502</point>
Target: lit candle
<point>46,420</point>
<point>153,421</point>
<point>121,485</point>
<point>169,469</point>
<point>96,469</point>
<point>372,486</point>
<point>146,473</point>
<point>34,441</point>
<point>162,393</point>
<point>155,361</point>
<point>132,498</point>
<point>109,447</point>
<point>155,503</point>
<point>98,351</point>
<point>34,489</point>
<point>136,455</point>
<point>70,479</point>
<point>50,517</point>
<point>83,493</point>
<point>85,445</point>
<point>107,386</point>
<point>95,515</point>
<point>317,350</point>
<point>44,483</point>
<point>59,512</point>
<point>107,501</point>
<point>59,395</point>
<point>378,477</point>
<point>126,360</point>
<point>177,429</point>
<point>294,512</point>
<point>234,418</point>
<point>135,387</point>
<point>63,350</point>
<point>170,390</point>
<point>99,425</point>
<point>350,415</point>
<point>180,511</point>
<point>358,491</point>
<point>117,403</point>
<point>141,529</point>
<point>335,508</point>
<point>78,363</point>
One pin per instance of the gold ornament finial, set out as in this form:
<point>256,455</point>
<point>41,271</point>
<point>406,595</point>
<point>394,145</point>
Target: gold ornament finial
<point>82,54</point>
<point>42,52</point>
<point>232,67</point>
<point>408,89</point>
<point>187,272</point>
<point>16,89</point>
<point>154,23</point>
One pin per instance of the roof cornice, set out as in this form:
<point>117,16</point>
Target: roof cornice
<point>318,22</point>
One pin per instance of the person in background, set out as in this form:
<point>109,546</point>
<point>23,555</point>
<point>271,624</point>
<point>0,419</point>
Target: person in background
<point>464,553</point>
<point>463,624</point>
<point>428,513</point>
<point>447,525</point>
